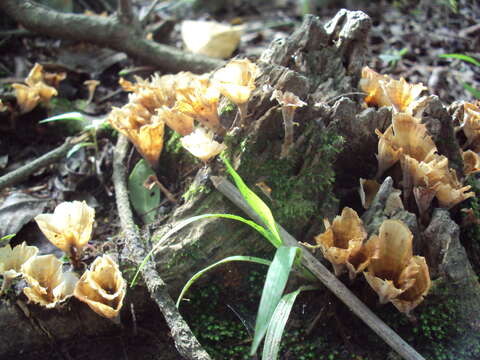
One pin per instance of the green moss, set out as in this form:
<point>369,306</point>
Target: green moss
<point>301,184</point>
<point>438,332</point>
<point>173,145</point>
<point>194,190</point>
<point>227,108</point>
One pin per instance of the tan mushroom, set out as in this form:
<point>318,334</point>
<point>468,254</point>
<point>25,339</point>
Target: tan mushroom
<point>367,190</point>
<point>289,102</point>
<point>413,295</point>
<point>394,273</point>
<point>176,120</point>
<point>11,261</point>
<point>102,287</point>
<point>69,227</point>
<point>471,125</point>
<point>384,91</point>
<point>201,103</point>
<point>47,284</point>
<point>236,81</point>
<point>146,136</point>
<point>36,91</point>
<point>200,144</point>
<point>471,162</point>
<point>342,243</point>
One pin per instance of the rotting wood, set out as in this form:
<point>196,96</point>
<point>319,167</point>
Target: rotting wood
<point>185,342</point>
<point>325,276</point>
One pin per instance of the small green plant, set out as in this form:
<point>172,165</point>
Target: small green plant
<point>475,92</point>
<point>274,308</point>
<point>391,58</point>
<point>91,126</point>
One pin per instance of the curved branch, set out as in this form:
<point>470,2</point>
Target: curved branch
<point>185,342</point>
<point>106,32</point>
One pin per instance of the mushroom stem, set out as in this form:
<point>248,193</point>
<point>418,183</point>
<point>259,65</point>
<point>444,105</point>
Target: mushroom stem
<point>242,110</point>
<point>287,113</point>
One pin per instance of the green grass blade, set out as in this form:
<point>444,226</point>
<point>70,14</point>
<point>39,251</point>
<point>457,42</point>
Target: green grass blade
<point>472,90</point>
<point>223,261</point>
<point>77,147</point>
<point>275,282</point>
<point>67,116</point>
<point>180,225</point>
<point>278,322</point>
<point>462,57</point>
<point>256,203</point>
<point>7,237</point>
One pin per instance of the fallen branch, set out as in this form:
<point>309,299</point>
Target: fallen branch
<point>107,32</point>
<point>25,171</point>
<point>185,342</point>
<point>326,277</point>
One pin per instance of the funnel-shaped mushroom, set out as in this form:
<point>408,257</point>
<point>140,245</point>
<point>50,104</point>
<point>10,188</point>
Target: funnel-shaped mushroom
<point>392,258</point>
<point>200,144</point>
<point>471,125</point>
<point>342,243</point>
<point>11,261</point>
<point>176,120</point>
<point>36,91</point>
<point>200,102</point>
<point>471,162</point>
<point>48,285</point>
<point>69,227</point>
<point>102,287</point>
<point>384,91</point>
<point>414,294</point>
<point>147,136</point>
<point>236,81</point>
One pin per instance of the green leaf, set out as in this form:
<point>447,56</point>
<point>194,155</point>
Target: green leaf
<point>77,147</point>
<point>462,57</point>
<point>472,90</point>
<point>7,237</point>
<point>144,201</point>
<point>256,203</point>
<point>180,225</point>
<point>67,116</point>
<point>277,324</point>
<point>275,283</point>
<point>190,282</point>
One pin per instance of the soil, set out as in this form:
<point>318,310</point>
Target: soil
<point>406,41</point>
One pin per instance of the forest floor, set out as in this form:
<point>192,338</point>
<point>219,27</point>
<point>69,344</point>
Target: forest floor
<point>405,41</point>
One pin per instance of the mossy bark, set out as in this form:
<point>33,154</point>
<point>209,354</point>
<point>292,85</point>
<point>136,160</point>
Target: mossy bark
<point>315,63</point>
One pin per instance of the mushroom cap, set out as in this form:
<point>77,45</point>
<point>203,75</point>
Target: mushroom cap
<point>102,287</point>
<point>70,225</point>
<point>236,80</point>
<point>48,285</point>
<point>200,144</point>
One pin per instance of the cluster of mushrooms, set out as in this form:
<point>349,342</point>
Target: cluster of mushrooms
<point>69,228</point>
<point>386,259</point>
<point>39,87</point>
<point>188,104</point>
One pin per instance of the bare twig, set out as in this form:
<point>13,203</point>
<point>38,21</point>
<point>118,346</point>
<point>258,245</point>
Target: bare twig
<point>107,32</point>
<point>326,277</point>
<point>185,342</point>
<point>49,158</point>
<point>125,12</point>
<point>151,8</point>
